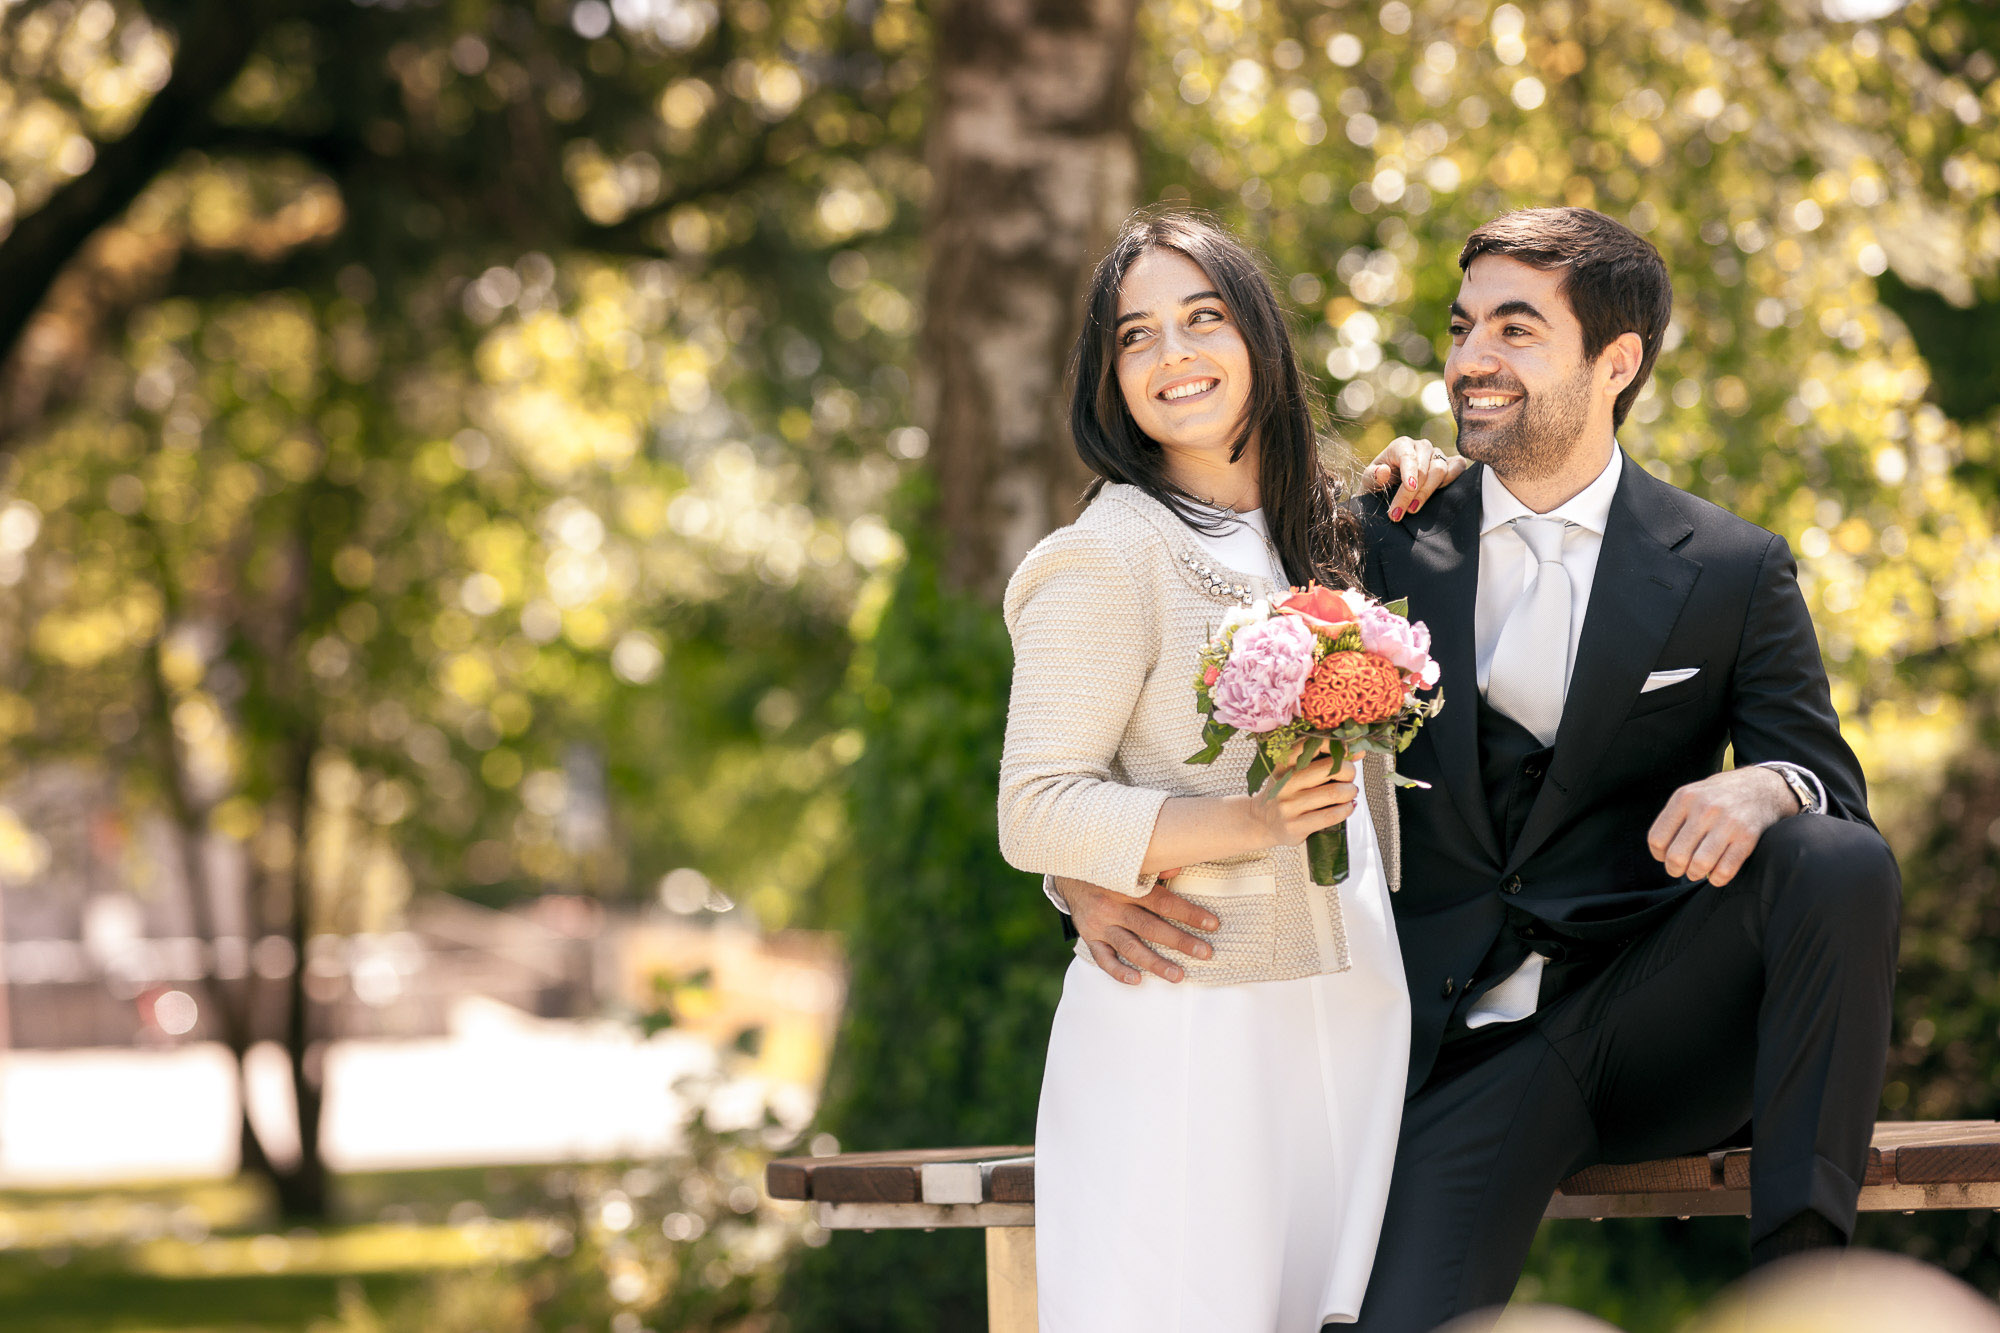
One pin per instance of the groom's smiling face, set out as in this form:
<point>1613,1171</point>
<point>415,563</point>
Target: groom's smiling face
<point>1521,389</point>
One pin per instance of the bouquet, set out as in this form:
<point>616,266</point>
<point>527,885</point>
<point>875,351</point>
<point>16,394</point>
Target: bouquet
<point>1318,668</point>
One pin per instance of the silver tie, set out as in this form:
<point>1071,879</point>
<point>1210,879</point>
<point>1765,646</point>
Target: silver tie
<point>1530,668</point>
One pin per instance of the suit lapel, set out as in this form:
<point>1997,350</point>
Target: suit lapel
<point>1439,572</point>
<point>1636,596</point>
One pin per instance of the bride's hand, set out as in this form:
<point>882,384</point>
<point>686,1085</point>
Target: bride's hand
<point>1314,796</point>
<point>1416,469</point>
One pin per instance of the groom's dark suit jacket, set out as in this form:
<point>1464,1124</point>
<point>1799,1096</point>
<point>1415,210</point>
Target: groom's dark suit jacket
<point>1680,583</point>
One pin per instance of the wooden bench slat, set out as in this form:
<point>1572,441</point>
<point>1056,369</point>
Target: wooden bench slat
<point>1880,1169</point>
<point>787,1178</point>
<point>1896,1133</point>
<point>1012,1182</point>
<point>872,1177</point>
<point>1973,1154</point>
<point>966,1182</point>
<point>1668,1176</point>
<point>1903,1153</point>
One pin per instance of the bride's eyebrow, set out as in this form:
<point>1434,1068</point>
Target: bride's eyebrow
<point>1147,314</point>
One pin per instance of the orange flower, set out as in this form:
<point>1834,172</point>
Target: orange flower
<point>1351,687</point>
<point>1322,608</point>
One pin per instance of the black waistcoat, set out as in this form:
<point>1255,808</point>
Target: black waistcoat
<point>1512,767</point>
<point>1512,764</point>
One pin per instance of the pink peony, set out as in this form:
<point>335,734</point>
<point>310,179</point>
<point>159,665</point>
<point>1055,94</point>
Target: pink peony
<point>1268,665</point>
<point>1406,644</point>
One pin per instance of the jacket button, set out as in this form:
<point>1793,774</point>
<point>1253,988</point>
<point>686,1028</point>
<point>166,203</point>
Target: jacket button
<point>1513,884</point>
<point>1532,770</point>
<point>1450,988</point>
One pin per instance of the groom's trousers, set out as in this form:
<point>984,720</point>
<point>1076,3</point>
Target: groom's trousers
<point>1766,1001</point>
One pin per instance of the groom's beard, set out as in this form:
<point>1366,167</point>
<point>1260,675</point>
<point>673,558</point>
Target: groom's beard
<point>1536,437</point>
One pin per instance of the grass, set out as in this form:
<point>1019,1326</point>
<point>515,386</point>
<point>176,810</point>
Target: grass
<point>207,1256</point>
<point>96,1292</point>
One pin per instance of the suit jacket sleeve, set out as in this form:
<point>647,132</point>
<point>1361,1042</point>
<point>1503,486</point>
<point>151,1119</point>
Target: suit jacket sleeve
<point>1780,706</point>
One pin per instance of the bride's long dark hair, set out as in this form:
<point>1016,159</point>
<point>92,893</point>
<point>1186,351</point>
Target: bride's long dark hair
<point>1317,538</point>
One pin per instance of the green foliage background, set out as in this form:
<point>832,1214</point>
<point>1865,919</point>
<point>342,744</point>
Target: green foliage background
<point>573,346</point>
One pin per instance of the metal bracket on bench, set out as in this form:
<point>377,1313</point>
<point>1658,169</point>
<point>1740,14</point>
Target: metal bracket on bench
<point>961,1182</point>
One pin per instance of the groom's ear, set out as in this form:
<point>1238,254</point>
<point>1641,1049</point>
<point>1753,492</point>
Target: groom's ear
<point>1624,356</point>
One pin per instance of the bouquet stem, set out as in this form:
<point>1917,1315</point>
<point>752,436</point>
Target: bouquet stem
<point>1326,853</point>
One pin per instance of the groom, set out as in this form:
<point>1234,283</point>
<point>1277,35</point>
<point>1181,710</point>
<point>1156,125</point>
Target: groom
<point>1616,949</point>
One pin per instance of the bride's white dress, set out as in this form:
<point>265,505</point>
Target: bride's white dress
<point>1216,1159</point>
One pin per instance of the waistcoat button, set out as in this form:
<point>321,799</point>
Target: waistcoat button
<point>1513,884</point>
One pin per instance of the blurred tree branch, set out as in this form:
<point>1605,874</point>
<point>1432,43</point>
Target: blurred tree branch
<point>336,153</point>
<point>211,273</point>
<point>214,45</point>
<point>635,233</point>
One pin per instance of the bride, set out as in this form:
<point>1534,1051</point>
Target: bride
<point>1214,1144</point>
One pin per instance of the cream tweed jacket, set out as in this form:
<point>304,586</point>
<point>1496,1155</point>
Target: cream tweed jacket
<point>1108,618</point>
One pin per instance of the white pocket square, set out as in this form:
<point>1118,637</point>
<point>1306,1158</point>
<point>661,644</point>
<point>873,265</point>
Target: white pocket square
<point>1659,680</point>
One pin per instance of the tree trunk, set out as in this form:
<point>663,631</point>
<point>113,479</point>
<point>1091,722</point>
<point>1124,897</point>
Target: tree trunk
<point>278,628</point>
<point>302,1190</point>
<point>1033,165</point>
<point>956,960</point>
<point>231,1003</point>
<point>298,606</point>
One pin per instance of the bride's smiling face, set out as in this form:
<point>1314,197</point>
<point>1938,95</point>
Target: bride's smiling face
<point>1182,364</point>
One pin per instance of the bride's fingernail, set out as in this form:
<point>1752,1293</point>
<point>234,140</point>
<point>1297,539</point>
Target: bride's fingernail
<point>1395,514</point>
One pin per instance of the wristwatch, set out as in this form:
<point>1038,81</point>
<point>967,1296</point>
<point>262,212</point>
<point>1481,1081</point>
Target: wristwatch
<point>1808,798</point>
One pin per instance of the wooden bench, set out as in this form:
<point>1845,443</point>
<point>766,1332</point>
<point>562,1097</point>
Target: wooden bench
<point>1913,1166</point>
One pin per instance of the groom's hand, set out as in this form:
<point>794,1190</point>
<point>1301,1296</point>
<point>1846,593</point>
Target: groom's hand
<point>1116,927</point>
<point>1709,828</point>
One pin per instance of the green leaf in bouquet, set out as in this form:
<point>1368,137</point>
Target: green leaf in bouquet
<point>1260,770</point>
<point>1214,735</point>
<point>1399,607</point>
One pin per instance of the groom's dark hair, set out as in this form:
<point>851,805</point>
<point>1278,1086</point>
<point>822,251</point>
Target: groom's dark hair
<point>1613,278</point>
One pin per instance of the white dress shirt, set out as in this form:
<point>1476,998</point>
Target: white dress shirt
<point>1506,568</point>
